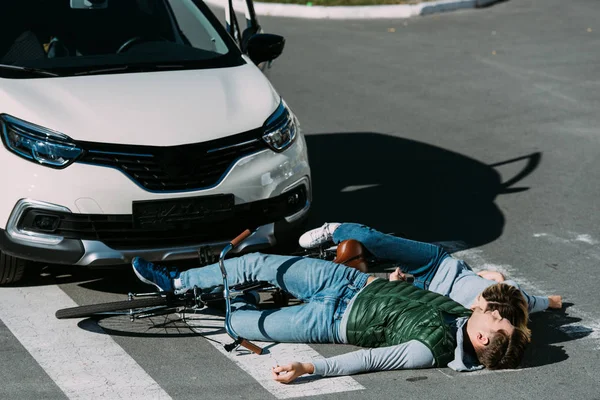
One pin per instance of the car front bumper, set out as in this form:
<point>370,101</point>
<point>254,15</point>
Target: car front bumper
<point>98,201</point>
<point>96,253</point>
<point>93,253</point>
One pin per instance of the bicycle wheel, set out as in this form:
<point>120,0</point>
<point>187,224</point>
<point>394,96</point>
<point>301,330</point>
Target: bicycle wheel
<point>96,309</point>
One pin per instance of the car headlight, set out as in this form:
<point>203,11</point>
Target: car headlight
<point>38,144</point>
<point>280,128</point>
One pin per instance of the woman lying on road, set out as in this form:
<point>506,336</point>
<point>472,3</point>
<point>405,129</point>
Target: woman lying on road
<point>433,268</point>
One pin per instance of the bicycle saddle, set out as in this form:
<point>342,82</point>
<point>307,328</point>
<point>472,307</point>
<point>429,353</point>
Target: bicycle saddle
<point>352,254</point>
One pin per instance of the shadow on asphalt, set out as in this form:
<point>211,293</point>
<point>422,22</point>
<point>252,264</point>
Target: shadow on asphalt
<point>110,280</point>
<point>118,279</point>
<point>548,330</point>
<point>167,326</point>
<point>406,187</point>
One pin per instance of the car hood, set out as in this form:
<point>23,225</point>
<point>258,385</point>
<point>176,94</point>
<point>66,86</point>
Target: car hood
<point>154,108</point>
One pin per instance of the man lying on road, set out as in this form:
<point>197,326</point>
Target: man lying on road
<point>401,326</point>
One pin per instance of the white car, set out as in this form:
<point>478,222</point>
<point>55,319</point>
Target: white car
<point>139,128</point>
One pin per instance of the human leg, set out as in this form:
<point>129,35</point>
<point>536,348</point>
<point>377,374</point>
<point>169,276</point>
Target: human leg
<point>312,322</point>
<point>302,277</point>
<point>324,286</point>
<point>417,258</point>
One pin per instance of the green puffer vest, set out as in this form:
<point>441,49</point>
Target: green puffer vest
<point>389,313</point>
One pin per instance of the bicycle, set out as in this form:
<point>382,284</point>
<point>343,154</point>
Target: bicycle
<point>140,306</point>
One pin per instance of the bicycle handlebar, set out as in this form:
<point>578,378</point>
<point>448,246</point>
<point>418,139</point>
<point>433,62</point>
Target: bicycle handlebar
<point>251,346</point>
<point>240,238</point>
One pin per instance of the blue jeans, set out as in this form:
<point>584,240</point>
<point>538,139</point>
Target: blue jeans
<point>324,287</point>
<point>417,258</point>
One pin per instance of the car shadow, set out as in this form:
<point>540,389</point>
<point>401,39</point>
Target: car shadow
<point>393,184</point>
<point>118,279</point>
<point>410,188</point>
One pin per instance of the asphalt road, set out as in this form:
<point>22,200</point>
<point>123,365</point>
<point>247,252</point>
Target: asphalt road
<point>478,129</point>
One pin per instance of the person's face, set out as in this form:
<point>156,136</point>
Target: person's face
<point>480,302</point>
<point>486,323</point>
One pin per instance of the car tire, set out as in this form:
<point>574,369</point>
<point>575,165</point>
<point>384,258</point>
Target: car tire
<point>11,269</point>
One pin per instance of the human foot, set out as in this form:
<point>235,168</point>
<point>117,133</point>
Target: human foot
<point>318,236</point>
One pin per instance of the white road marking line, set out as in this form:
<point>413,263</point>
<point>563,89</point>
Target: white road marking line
<point>445,374</point>
<point>573,237</point>
<point>84,365</point>
<point>488,371</point>
<point>259,367</point>
<point>586,239</point>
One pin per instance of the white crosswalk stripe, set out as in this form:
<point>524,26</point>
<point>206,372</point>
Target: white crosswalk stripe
<point>259,366</point>
<point>84,365</point>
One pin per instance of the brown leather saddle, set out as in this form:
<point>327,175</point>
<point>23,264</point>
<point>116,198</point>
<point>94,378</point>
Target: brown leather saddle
<point>353,254</point>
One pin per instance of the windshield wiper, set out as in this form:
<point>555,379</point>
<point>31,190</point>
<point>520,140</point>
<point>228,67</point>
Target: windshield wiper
<point>102,70</point>
<point>36,71</point>
<point>132,68</point>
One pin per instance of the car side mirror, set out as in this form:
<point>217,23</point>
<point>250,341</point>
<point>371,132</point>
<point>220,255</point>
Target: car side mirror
<point>264,47</point>
<point>246,35</point>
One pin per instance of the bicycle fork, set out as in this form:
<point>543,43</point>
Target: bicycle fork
<point>237,339</point>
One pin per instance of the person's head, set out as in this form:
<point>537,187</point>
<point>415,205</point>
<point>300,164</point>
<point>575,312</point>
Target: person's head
<point>497,328</point>
<point>508,301</point>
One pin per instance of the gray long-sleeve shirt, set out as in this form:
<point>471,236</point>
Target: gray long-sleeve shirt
<point>409,355</point>
<point>455,279</point>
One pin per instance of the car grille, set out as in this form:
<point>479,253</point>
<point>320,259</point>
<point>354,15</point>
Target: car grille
<point>175,168</point>
<point>118,231</point>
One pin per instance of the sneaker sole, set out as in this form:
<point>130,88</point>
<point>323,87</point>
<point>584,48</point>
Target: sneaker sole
<point>141,278</point>
<point>317,245</point>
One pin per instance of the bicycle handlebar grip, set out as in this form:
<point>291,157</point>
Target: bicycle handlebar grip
<point>251,346</point>
<point>240,238</point>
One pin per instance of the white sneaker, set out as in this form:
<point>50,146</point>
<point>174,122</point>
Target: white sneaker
<point>318,236</point>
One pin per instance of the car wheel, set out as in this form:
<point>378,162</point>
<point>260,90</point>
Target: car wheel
<point>11,269</point>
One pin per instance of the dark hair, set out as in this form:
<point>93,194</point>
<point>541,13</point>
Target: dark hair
<point>510,303</point>
<point>504,351</point>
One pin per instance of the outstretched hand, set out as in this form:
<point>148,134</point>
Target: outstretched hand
<point>555,301</point>
<point>288,373</point>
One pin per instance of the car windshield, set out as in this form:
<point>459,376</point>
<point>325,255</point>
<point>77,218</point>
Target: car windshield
<point>48,38</point>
